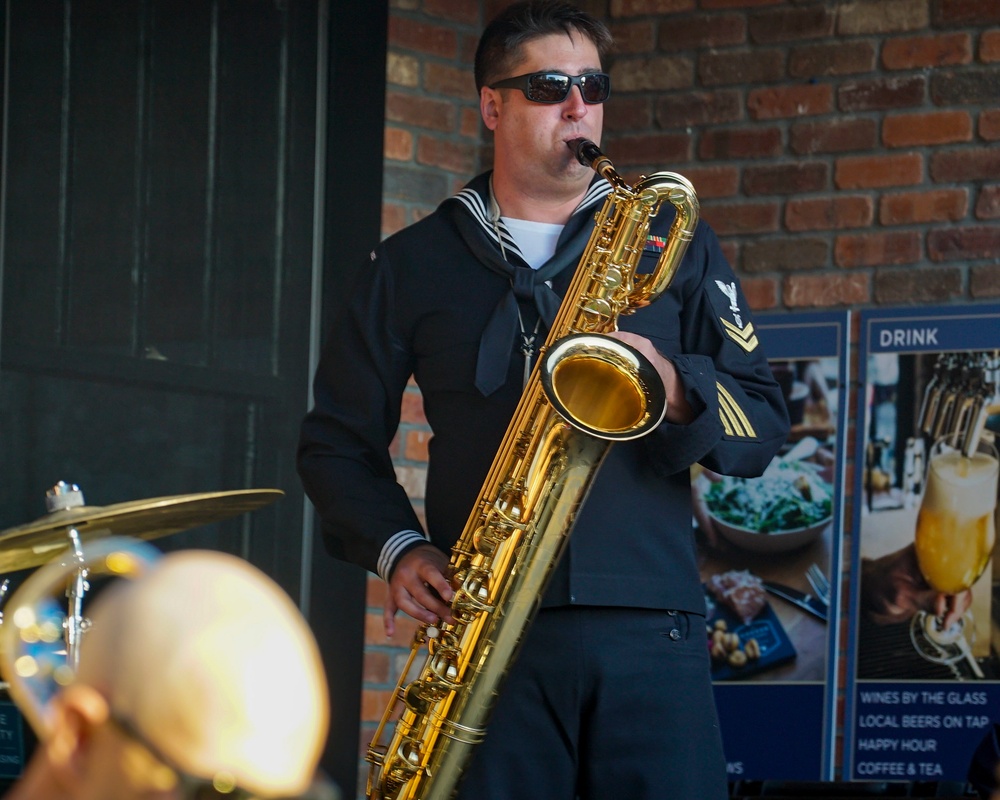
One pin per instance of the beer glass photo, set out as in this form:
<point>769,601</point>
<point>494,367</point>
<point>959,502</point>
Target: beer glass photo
<point>955,534</point>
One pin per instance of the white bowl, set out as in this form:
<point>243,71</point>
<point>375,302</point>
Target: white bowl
<point>777,542</point>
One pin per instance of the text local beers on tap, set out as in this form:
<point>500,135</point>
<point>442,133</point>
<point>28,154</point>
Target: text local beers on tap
<point>886,733</point>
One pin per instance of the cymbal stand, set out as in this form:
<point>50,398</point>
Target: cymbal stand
<point>61,497</point>
<point>76,625</point>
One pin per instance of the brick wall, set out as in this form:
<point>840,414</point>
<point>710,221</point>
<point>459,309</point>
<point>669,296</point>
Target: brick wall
<point>847,153</point>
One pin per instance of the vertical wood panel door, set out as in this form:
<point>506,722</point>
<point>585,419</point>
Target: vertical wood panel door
<point>167,214</point>
<point>157,257</point>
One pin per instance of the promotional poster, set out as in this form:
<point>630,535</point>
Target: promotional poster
<point>923,660</point>
<point>769,555</point>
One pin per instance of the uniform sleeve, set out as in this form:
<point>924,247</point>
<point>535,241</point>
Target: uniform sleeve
<point>343,453</point>
<point>741,420</point>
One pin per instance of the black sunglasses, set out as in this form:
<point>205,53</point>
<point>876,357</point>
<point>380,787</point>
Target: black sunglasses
<point>554,87</point>
<point>222,788</point>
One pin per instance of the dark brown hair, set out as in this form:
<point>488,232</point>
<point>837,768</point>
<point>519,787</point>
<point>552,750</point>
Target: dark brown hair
<point>500,45</point>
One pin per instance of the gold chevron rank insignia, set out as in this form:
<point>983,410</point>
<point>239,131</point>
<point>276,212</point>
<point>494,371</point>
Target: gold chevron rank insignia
<point>734,421</point>
<point>744,337</point>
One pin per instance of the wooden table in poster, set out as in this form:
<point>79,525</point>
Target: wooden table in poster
<point>807,633</point>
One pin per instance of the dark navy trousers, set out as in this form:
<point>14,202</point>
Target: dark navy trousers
<point>602,704</point>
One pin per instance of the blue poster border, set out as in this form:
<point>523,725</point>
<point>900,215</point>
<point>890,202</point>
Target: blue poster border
<point>810,708</point>
<point>908,330</point>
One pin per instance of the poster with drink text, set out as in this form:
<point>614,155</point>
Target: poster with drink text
<point>769,551</point>
<point>923,662</point>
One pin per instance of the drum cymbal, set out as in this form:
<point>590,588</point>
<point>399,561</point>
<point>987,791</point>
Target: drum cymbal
<point>38,542</point>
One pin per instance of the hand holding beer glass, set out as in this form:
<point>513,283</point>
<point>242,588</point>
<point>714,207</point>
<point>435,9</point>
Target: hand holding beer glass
<point>954,540</point>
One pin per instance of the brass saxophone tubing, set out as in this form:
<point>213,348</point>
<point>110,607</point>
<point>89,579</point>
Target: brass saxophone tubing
<point>585,391</point>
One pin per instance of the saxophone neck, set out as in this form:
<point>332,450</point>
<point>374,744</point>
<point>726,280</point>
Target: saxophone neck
<point>590,155</point>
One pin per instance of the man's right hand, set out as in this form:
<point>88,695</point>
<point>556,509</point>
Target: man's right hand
<point>418,587</point>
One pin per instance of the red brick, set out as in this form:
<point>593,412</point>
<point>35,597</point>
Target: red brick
<point>447,154</point>
<point>731,250</point>
<point>741,67</point>
<point>435,40</point>
<point>881,16</point>
<point>787,254</point>
<point>633,37</point>
<point>761,293</point>
<point>833,136</point>
<point>398,144</point>
<point>739,3</point>
<point>969,86</point>
<point>657,74</point>
<point>635,8</point>
<point>374,704</point>
<point>451,81</point>
<point>651,149</point>
<point>791,24</point>
<point>828,213</point>
<point>962,13</point>
<point>989,46</point>
<point>470,125</point>
<point>917,285</point>
<point>936,127</point>
<point>714,181</point>
<point>733,219</point>
<point>989,124</point>
<point>435,115</point>
<point>759,142</point>
<point>868,172</point>
<point>960,244</point>
<point>840,58</point>
<point>825,291</point>
<point>908,208</point>
<point>375,668</point>
<point>876,94</point>
<point>875,249</point>
<point>393,218</point>
<point>966,164</point>
<point>917,52</point>
<point>456,10</point>
<point>680,110</point>
<point>628,113</point>
<point>702,30</point>
<point>406,626</point>
<point>984,281</point>
<point>798,177</point>
<point>988,204</point>
<point>412,411</point>
<point>416,445</point>
<point>797,100</point>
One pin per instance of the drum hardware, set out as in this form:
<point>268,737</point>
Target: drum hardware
<point>71,525</point>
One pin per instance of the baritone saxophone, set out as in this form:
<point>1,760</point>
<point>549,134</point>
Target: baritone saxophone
<point>586,391</point>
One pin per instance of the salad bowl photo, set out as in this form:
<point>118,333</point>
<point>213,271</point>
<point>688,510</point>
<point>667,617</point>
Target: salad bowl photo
<point>786,508</point>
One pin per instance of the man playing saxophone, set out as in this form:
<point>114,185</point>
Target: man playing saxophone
<point>611,694</point>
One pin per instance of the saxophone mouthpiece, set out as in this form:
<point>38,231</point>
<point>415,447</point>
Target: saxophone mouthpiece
<point>590,155</point>
<point>586,151</point>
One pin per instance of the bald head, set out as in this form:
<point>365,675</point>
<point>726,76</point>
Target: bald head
<point>213,664</point>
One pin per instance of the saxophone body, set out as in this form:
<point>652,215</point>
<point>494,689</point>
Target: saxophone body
<point>587,391</point>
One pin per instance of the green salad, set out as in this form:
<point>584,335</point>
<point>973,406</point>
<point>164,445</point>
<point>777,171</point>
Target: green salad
<point>786,497</point>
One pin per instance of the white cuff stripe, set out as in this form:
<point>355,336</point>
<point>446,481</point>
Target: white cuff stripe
<point>390,551</point>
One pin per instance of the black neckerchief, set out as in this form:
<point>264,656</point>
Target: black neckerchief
<point>477,220</point>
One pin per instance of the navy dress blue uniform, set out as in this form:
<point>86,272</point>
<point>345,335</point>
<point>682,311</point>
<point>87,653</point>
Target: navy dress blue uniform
<point>611,694</point>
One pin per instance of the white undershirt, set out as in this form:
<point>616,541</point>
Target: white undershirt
<point>536,240</point>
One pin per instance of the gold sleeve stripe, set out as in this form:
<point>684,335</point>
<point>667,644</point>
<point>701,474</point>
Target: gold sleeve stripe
<point>734,421</point>
<point>744,337</point>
